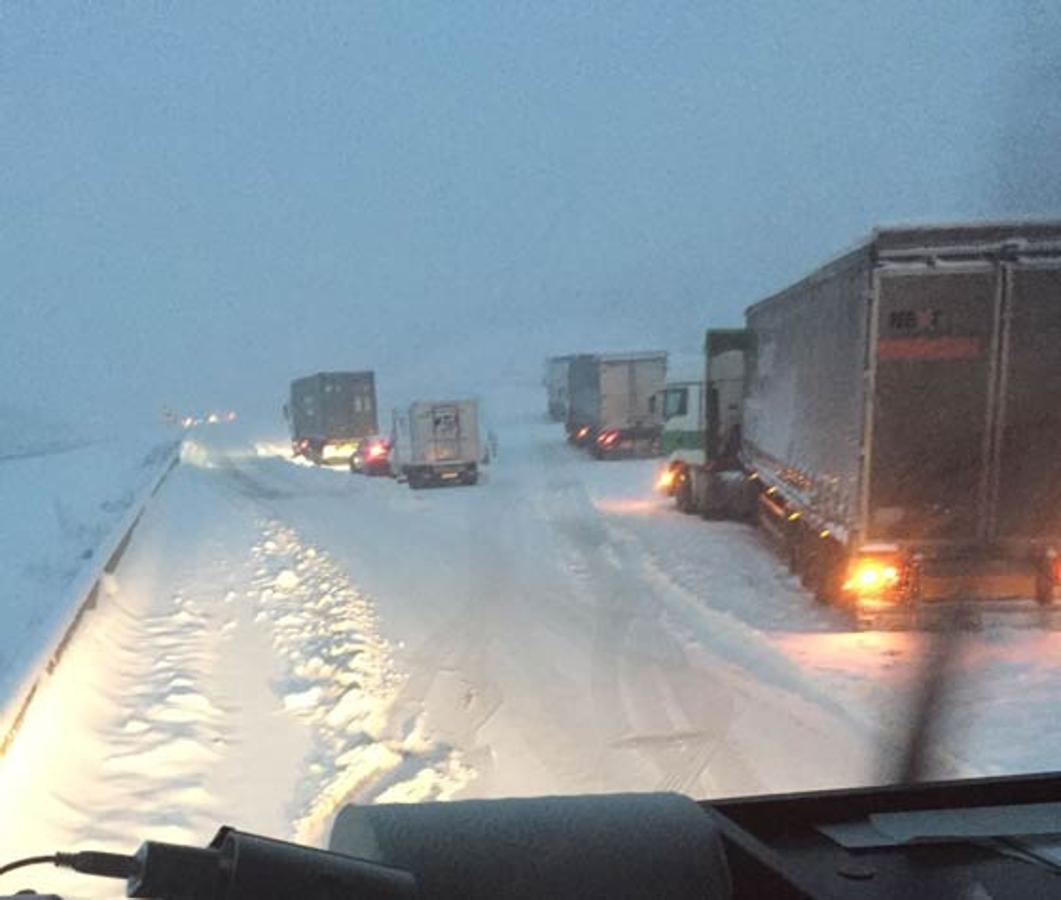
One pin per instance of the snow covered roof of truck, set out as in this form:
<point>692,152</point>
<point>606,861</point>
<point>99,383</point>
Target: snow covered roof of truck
<point>957,238</point>
<point>364,375</point>
<point>893,243</point>
<point>623,357</point>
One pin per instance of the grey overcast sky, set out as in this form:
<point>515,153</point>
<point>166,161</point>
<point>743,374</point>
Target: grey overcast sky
<point>199,200</point>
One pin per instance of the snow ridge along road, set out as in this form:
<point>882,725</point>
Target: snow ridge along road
<point>342,680</point>
<point>53,584</point>
<point>281,639</point>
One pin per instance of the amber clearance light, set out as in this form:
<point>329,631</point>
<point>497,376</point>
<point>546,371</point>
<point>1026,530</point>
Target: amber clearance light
<point>872,576</point>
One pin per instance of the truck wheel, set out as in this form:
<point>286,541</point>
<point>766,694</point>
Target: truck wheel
<point>683,493</point>
<point>828,580</point>
<point>415,481</point>
<point>1044,590</point>
<point>808,559</point>
<point>469,477</point>
<point>794,551</point>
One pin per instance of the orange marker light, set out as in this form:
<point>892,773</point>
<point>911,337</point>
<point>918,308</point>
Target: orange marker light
<point>872,576</point>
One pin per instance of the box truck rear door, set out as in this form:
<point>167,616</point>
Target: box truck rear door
<point>930,406</point>
<point>1027,494</point>
<point>445,432</point>
<point>617,387</point>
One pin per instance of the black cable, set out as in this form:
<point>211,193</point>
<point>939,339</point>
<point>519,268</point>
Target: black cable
<point>94,862</point>
<point>89,862</point>
<point>28,861</point>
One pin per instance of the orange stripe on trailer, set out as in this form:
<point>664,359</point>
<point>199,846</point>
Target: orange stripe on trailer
<point>928,348</point>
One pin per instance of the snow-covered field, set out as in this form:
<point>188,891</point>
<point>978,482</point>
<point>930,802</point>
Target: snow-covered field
<point>66,498</point>
<point>282,639</point>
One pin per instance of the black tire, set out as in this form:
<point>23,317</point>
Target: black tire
<point>794,552</point>
<point>828,583</point>
<point>1044,589</point>
<point>683,493</point>
<point>808,569</point>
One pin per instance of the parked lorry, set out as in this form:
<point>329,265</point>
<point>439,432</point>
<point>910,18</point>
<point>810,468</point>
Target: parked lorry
<point>698,412</point>
<point>556,386</point>
<point>612,403</point>
<point>437,443</point>
<point>330,414</point>
<point>898,422</point>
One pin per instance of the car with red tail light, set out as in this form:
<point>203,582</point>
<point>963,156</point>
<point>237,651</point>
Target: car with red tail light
<point>372,457</point>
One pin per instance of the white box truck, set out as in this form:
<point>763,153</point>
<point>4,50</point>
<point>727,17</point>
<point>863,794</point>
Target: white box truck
<point>437,442</point>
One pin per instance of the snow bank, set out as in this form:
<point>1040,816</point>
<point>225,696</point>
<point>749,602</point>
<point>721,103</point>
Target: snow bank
<point>369,746</point>
<point>66,507</point>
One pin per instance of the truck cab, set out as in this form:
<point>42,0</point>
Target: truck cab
<point>681,404</point>
<point>694,471</point>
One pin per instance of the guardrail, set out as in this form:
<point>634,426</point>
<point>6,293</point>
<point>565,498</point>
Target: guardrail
<point>85,586</point>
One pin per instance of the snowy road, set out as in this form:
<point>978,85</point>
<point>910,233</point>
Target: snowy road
<point>282,639</point>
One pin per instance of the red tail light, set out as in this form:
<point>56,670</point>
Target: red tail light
<point>582,432</point>
<point>377,451</point>
<point>608,438</point>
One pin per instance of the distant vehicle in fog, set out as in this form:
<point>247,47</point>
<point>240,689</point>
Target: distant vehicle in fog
<point>556,386</point>
<point>437,443</point>
<point>892,420</point>
<point>613,408</point>
<point>330,414</point>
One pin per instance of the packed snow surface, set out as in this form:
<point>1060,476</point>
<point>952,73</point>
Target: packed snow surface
<point>282,639</point>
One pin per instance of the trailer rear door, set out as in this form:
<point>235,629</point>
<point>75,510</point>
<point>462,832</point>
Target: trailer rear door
<point>627,387</point>
<point>1027,493</point>
<point>929,440</point>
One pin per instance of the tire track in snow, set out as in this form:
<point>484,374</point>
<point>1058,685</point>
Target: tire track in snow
<point>751,650</point>
<point>368,746</point>
<point>634,662</point>
<point>173,730</point>
<point>680,684</point>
